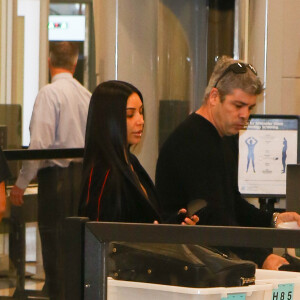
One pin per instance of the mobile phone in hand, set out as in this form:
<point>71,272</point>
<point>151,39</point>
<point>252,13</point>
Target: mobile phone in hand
<point>180,217</point>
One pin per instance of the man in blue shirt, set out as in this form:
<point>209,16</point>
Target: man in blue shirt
<point>58,121</point>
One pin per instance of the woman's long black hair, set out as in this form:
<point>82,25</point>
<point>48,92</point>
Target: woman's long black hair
<point>106,146</point>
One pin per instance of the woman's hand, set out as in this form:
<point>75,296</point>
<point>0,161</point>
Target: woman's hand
<point>182,219</point>
<point>193,220</point>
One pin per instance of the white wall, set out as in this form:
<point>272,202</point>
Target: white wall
<point>30,9</point>
<point>274,48</point>
<point>6,35</point>
<point>290,79</point>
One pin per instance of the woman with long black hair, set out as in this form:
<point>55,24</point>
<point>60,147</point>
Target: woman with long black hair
<point>115,187</point>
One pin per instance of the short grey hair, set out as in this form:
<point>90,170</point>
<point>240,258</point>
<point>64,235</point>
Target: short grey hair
<point>247,82</point>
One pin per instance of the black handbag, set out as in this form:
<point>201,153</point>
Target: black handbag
<point>176,264</point>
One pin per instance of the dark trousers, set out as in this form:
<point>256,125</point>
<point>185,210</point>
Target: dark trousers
<point>58,198</point>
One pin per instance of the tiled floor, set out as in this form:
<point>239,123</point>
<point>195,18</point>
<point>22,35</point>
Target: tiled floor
<point>34,279</point>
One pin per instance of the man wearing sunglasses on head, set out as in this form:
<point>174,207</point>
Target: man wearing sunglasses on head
<point>197,165</point>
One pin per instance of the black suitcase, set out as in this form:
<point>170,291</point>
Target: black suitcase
<point>176,264</point>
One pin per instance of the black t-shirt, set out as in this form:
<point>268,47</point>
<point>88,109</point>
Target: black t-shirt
<point>196,163</point>
<point>4,170</point>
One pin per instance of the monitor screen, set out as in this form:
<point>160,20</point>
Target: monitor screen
<point>66,28</point>
<point>267,144</point>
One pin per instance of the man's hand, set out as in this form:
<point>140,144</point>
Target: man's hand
<point>16,196</point>
<point>288,217</point>
<point>274,262</point>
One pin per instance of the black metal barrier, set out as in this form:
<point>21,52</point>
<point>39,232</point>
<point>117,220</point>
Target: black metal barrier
<point>19,216</point>
<point>97,235</point>
<point>43,154</point>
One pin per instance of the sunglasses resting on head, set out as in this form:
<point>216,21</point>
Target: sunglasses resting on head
<point>237,68</point>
